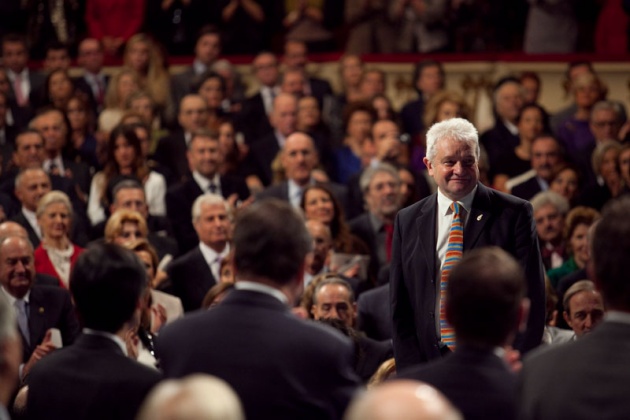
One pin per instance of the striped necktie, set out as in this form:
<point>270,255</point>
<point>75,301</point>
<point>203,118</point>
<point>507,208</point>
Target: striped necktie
<point>454,252</point>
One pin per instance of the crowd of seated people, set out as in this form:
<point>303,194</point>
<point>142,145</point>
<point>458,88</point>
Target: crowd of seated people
<point>166,164</point>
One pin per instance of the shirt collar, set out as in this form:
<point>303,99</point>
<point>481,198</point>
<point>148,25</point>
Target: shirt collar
<point>210,255</point>
<point>280,138</point>
<point>511,127</point>
<point>444,203</point>
<point>57,161</point>
<point>111,336</point>
<point>199,67</point>
<point>23,74</point>
<point>618,316</point>
<point>204,182</point>
<point>261,288</point>
<point>12,298</point>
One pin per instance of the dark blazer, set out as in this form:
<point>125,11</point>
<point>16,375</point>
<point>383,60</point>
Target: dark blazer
<point>495,219</point>
<point>253,121</point>
<point>181,84</point>
<point>320,88</point>
<point>92,379</point>
<point>261,156</point>
<point>32,236</point>
<point>280,366</point>
<point>171,153</point>
<point>527,189</point>
<point>81,174</point>
<point>190,278</point>
<point>361,227</point>
<point>374,317</point>
<point>372,354</point>
<point>411,116</point>
<point>477,382</point>
<point>498,141</point>
<point>49,307</point>
<point>180,199</point>
<point>281,192</point>
<point>583,379</point>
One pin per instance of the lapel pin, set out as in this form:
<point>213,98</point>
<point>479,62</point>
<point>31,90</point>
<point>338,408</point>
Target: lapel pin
<point>41,309</point>
<point>479,217</point>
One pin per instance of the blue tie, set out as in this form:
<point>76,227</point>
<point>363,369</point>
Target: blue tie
<point>22,319</point>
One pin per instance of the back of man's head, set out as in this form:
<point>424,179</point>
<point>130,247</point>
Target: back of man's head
<point>107,283</point>
<point>10,351</point>
<point>611,247</point>
<point>270,242</point>
<point>484,296</point>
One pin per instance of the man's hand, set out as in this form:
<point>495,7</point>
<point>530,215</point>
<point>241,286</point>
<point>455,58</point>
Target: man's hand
<point>40,352</point>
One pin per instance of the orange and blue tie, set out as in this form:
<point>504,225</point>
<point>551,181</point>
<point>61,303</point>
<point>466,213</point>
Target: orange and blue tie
<point>454,251</point>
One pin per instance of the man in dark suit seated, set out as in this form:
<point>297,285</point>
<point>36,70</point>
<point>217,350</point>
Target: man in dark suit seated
<point>546,157</point>
<point>296,58</point>
<point>93,82</point>
<point>486,306</point>
<point>381,191</point>
<point>333,298</point>
<point>195,272</point>
<point>96,377</point>
<point>171,150</point>
<point>38,308</point>
<point>550,209</point>
<point>252,330</point>
<point>204,158</point>
<point>15,60</point>
<point>299,157</point>
<point>471,216</point>
<point>594,370</point>
<point>583,308</point>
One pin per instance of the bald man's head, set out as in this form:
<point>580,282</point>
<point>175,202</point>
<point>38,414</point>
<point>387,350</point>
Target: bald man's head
<point>9,228</point>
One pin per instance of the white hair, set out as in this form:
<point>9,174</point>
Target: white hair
<point>550,198</point>
<point>208,200</point>
<point>458,129</point>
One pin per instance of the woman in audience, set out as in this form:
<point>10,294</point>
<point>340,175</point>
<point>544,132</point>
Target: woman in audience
<point>125,159</point>
<point>120,88</point>
<point>58,89</point>
<point>358,120</point>
<point>143,104</point>
<point>216,294</point>
<point>566,182</point>
<point>350,69</point>
<point>609,184</point>
<point>211,86</point>
<point>56,254</point>
<point>531,122</point>
<point>81,119</point>
<point>624,167</point>
<point>319,203</point>
<point>576,227</point>
<point>125,226</point>
<point>232,157</point>
<point>384,108</point>
<point>144,57</point>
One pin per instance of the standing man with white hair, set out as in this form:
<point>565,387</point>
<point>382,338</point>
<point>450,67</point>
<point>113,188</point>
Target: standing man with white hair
<point>431,236</point>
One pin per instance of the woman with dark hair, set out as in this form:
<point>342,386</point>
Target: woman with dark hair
<point>566,181</point>
<point>357,122</point>
<point>212,87</point>
<point>58,89</point>
<point>125,159</point>
<point>81,122</point>
<point>319,203</point>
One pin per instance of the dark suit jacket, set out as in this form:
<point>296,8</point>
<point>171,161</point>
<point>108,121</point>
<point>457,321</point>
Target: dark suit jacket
<point>190,278</point>
<point>181,84</point>
<point>281,192</point>
<point>374,317</point>
<point>498,141</point>
<point>179,202</point>
<point>372,354</point>
<point>261,156</point>
<point>477,382</point>
<point>411,116</point>
<point>49,307</point>
<point>92,379</point>
<point>81,174</point>
<point>583,379</point>
<point>495,219</point>
<point>320,88</point>
<point>361,227</point>
<point>171,152</point>
<point>253,121</point>
<point>280,366</point>
<point>527,190</point>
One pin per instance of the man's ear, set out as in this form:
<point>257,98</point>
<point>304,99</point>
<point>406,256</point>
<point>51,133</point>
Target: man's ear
<point>428,164</point>
<point>567,318</point>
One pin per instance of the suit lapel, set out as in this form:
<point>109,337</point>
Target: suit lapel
<point>479,215</point>
<point>425,224</point>
<point>36,318</point>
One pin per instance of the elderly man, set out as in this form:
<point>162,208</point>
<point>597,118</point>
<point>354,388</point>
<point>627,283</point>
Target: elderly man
<point>381,191</point>
<point>195,272</point>
<point>294,368</point>
<point>486,306</point>
<point>38,308</point>
<point>550,210</point>
<point>318,259</point>
<point>583,307</point>
<point>431,235</point>
<point>204,159</point>
<point>546,157</point>
<point>594,370</point>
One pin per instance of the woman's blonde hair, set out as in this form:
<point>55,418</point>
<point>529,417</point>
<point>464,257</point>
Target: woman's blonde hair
<point>115,223</point>
<point>433,106</point>
<point>53,197</point>
<point>156,79</point>
<point>112,101</point>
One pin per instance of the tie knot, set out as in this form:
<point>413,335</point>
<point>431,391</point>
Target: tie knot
<point>20,304</point>
<point>455,207</point>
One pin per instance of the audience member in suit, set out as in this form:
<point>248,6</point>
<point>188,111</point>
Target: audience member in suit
<point>195,272</point>
<point>546,158</point>
<point>315,377</point>
<point>419,246</point>
<point>381,190</point>
<point>373,313</point>
<point>42,307</point>
<point>263,151</point>
<point>205,157</point>
<point>295,57</point>
<point>550,209</point>
<point>254,118</point>
<point>508,98</point>
<point>7,133</point>
<point>428,77</point>
<point>583,308</point>
<point>486,306</point>
<point>96,377</point>
<point>15,60</point>
<point>592,370</point>
<point>171,150</point>
<point>299,158</point>
<point>51,124</point>
<point>333,298</point>
<point>9,356</point>
<point>93,82</point>
<point>207,49</point>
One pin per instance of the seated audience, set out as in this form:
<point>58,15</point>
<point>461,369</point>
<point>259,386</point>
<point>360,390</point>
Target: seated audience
<point>583,308</point>
<point>608,184</point>
<point>550,210</point>
<point>352,155</point>
<point>428,80</point>
<point>120,88</point>
<point>567,182</point>
<point>83,143</point>
<point>546,156</point>
<point>211,87</point>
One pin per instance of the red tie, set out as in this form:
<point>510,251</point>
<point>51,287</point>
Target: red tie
<point>389,238</point>
<point>17,88</point>
<point>454,251</point>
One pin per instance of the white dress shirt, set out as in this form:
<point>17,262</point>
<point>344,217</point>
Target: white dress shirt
<point>204,183</point>
<point>213,258</point>
<point>31,218</point>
